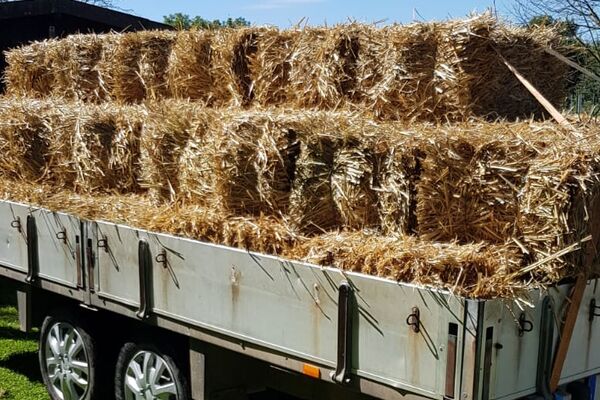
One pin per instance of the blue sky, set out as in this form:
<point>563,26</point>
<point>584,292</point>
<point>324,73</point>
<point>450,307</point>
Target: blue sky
<point>288,12</point>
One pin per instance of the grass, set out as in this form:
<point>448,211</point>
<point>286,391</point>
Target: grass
<point>19,372</point>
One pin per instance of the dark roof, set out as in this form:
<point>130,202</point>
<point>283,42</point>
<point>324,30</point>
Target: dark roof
<point>118,20</point>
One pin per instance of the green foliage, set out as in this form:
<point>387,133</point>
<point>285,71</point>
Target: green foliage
<point>184,21</point>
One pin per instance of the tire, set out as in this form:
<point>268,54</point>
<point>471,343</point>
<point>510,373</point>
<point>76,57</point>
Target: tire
<point>132,376</point>
<point>67,357</point>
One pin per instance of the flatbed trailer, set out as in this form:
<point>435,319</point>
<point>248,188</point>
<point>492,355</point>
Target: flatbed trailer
<point>228,321</point>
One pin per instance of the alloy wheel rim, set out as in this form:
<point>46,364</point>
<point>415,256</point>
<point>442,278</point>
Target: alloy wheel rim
<point>149,377</point>
<point>67,362</point>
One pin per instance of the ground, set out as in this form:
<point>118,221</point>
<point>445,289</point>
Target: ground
<point>19,375</point>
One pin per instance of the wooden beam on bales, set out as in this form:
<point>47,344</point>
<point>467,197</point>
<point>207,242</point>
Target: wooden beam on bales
<point>572,63</point>
<point>539,97</point>
<point>567,331</point>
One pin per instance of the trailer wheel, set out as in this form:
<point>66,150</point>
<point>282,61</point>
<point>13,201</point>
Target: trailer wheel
<point>67,357</point>
<point>144,372</point>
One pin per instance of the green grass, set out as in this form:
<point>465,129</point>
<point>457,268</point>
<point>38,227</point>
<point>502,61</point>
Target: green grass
<point>19,372</point>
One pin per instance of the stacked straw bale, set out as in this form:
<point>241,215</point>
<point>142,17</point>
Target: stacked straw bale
<point>233,50</point>
<point>449,71</point>
<point>25,137</point>
<point>474,269</point>
<point>176,151</point>
<point>271,65</point>
<point>74,61</point>
<point>190,64</point>
<point>358,168</point>
<point>87,149</point>
<point>255,163</point>
<point>472,80</point>
<point>28,72</point>
<point>398,81</point>
<point>135,65</point>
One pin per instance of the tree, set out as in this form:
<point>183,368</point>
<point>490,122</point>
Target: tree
<point>579,22</point>
<point>184,21</point>
<point>582,17</point>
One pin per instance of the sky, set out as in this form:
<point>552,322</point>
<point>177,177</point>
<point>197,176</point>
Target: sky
<point>285,13</point>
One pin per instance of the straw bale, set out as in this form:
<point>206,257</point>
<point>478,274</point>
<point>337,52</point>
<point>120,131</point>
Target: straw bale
<point>86,148</point>
<point>560,206</point>
<point>28,71</point>
<point>189,72</point>
<point>352,181</point>
<point>233,50</point>
<point>95,148</point>
<point>271,65</point>
<point>137,65</point>
<point>312,204</point>
<point>472,80</point>
<point>470,179</point>
<point>397,79</point>
<point>323,67</point>
<point>176,161</point>
<point>398,164</point>
<point>255,163</point>
<point>74,60</point>
<point>472,269</point>
<point>25,136</point>
<point>263,234</point>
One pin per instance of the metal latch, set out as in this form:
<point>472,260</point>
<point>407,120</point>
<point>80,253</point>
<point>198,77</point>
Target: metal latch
<point>414,320</point>
<point>524,324</point>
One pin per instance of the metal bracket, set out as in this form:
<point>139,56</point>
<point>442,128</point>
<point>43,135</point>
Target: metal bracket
<point>62,235</point>
<point>32,250</point>
<point>161,258</point>
<point>414,320</point>
<point>344,346</point>
<point>78,261</point>
<point>16,223</point>
<point>103,244</point>
<point>593,308</point>
<point>546,349</point>
<point>145,266</point>
<point>524,325</point>
<point>90,263</point>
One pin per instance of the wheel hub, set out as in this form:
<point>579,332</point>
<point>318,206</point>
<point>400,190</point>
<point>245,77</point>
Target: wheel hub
<point>67,362</point>
<point>149,377</point>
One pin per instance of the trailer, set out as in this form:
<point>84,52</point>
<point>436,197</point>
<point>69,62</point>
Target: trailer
<point>130,314</point>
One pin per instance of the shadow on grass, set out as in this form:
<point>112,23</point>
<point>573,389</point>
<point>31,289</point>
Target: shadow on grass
<point>8,294</point>
<point>25,364</point>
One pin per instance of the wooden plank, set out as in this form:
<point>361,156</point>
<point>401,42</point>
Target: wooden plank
<point>572,63</point>
<point>539,97</point>
<point>567,331</point>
